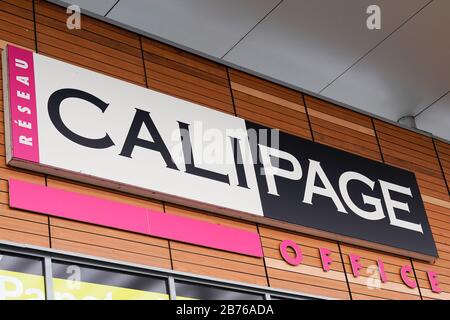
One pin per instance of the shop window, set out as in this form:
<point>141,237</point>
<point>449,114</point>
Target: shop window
<point>73,281</point>
<point>21,278</point>
<point>188,291</point>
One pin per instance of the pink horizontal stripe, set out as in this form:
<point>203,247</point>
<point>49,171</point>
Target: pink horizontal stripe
<point>75,206</point>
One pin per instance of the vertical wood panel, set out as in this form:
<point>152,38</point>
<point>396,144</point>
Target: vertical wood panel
<point>16,22</point>
<point>17,27</point>
<point>269,104</point>
<point>443,151</point>
<point>415,152</point>
<point>439,217</point>
<point>186,76</point>
<point>97,46</point>
<point>343,129</point>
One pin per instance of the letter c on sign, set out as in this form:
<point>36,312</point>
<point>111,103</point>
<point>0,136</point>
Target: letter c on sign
<point>404,275</point>
<point>293,261</point>
<point>54,111</point>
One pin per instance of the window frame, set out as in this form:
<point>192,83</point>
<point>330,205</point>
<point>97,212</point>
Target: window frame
<point>48,254</point>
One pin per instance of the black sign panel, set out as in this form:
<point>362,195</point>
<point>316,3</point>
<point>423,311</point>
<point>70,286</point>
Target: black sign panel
<point>340,193</point>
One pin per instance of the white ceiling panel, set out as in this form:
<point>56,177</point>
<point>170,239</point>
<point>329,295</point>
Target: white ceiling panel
<point>309,43</point>
<point>436,119</point>
<point>406,73</point>
<point>100,7</point>
<point>208,26</point>
<point>319,46</point>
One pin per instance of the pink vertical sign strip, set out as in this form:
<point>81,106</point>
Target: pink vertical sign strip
<point>75,206</point>
<point>22,104</point>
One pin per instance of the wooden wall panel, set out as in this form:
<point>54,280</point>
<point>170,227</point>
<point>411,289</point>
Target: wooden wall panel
<point>442,269</point>
<point>269,104</point>
<point>16,22</point>
<point>308,277</point>
<point>97,46</point>
<point>107,242</point>
<point>342,128</point>
<point>439,218</point>
<point>443,151</point>
<point>212,262</point>
<point>186,76</point>
<point>15,225</point>
<point>17,27</point>
<point>415,152</point>
<point>365,288</point>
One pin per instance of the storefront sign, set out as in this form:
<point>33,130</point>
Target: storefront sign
<point>75,123</point>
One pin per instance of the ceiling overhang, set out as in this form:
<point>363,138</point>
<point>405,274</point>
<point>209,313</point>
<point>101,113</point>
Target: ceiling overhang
<point>320,47</point>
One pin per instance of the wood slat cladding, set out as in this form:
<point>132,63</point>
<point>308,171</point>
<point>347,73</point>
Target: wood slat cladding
<point>97,46</point>
<point>415,152</point>
<point>442,268</point>
<point>212,262</point>
<point>443,151</point>
<point>186,76</point>
<point>16,22</point>
<point>16,26</point>
<point>20,226</point>
<point>341,128</point>
<point>439,218</point>
<point>108,242</point>
<point>269,104</point>
<point>367,282</point>
<point>308,277</point>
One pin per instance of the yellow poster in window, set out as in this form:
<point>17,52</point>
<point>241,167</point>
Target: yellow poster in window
<point>21,286</point>
<point>78,290</point>
<point>185,298</point>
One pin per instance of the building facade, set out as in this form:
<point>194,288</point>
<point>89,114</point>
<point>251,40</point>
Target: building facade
<point>42,255</point>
